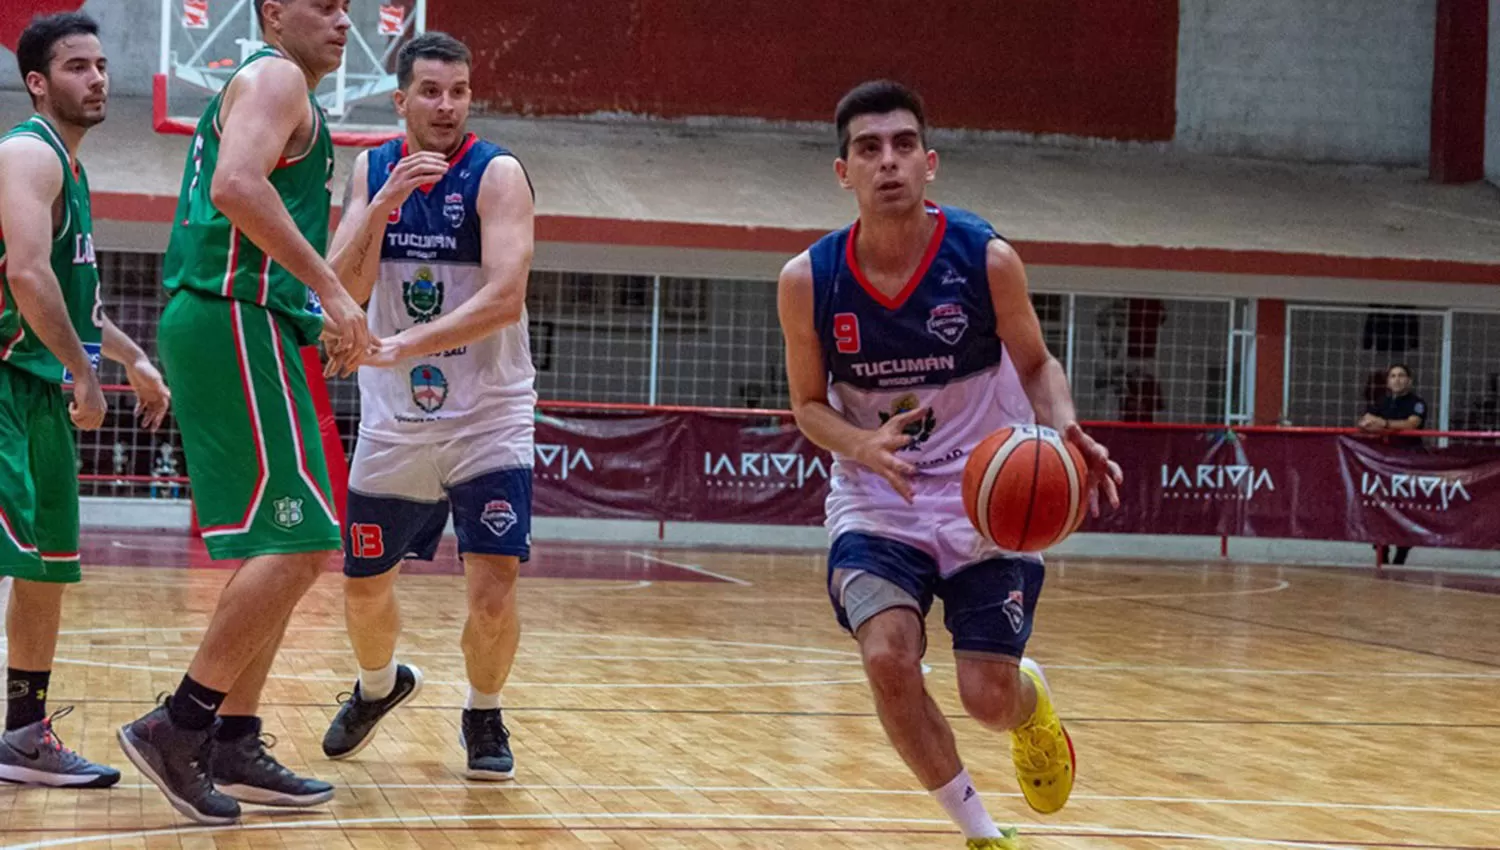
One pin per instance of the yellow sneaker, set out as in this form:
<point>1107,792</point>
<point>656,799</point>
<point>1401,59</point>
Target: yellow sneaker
<point>1042,751</point>
<point>1007,841</point>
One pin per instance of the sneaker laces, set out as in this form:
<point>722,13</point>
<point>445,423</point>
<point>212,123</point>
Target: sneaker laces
<point>490,732</point>
<point>1038,745</point>
<point>50,738</point>
<point>263,744</point>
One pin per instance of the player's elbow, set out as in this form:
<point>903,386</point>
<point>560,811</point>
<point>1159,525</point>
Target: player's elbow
<point>231,191</point>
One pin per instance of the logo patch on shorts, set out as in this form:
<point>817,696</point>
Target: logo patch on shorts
<point>429,389</point>
<point>1015,610</point>
<point>498,516</point>
<point>288,512</point>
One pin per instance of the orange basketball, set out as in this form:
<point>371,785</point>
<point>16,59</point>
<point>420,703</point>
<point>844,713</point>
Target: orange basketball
<point>1026,488</point>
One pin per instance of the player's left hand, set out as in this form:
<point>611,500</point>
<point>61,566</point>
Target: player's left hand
<point>152,397</point>
<point>1105,473</point>
<point>385,353</point>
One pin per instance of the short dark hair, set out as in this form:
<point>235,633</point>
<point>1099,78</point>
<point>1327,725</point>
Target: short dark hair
<point>876,97</point>
<point>38,42</point>
<point>1394,366</point>
<point>430,45</point>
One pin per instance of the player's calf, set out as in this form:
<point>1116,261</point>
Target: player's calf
<point>994,692</point>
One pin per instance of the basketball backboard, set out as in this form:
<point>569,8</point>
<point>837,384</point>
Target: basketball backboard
<point>203,41</point>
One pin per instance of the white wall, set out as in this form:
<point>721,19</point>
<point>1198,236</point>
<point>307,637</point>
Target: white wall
<point>1334,80</point>
<point>129,30</point>
<point>1492,108</point>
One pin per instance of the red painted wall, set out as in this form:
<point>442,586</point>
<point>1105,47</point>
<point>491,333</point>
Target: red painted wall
<point>16,14</point>
<point>1098,68</point>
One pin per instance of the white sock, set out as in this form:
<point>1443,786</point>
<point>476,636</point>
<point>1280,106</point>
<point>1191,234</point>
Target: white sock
<point>959,799</point>
<point>482,702</point>
<point>377,684</point>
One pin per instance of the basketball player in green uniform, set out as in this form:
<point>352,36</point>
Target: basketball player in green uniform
<point>52,333</point>
<point>249,287</point>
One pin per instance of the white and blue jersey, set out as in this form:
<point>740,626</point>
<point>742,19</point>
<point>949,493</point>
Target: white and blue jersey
<point>430,264</point>
<point>452,430</point>
<point>933,345</point>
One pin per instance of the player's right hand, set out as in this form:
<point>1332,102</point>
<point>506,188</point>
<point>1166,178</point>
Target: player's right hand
<point>87,408</point>
<point>414,170</point>
<point>346,333</point>
<point>878,451</point>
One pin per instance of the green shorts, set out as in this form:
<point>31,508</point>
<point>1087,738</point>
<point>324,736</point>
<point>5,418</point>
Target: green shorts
<point>38,480</point>
<point>249,429</point>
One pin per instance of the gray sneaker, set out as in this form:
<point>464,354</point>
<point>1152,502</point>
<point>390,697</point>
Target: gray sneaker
<point>34,755</point>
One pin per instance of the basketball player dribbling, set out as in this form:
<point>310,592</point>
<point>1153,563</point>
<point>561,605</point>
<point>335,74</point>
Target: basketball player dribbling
<point>910,338</point>
<point>437,238</point>
<point>249,287</point>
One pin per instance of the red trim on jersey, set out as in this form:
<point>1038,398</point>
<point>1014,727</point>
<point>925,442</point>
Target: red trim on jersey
<point>463,150</point>
<point>265,282</point>
<point>11,533</point>
<point>260,442</point>
<point>933,245</point>
<point>61,557</point>
<point>10,344</point>
<point>291,412</point>
<point>232,265</point>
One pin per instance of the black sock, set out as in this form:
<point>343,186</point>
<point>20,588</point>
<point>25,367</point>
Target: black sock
<point>26,697</point>
<point>194,705</point>
<point>233,728</point>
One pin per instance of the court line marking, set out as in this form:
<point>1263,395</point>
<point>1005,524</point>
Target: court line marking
<point>894,792</point>
<point>690,568</point>
<point>330,679</point>
<point>423,819</point>
<point>851,662</point>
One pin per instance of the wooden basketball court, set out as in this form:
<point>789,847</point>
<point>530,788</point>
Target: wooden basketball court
<point>676,699</point>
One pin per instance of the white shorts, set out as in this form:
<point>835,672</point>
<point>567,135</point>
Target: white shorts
<point>423,472</point>
<point>934,523</point>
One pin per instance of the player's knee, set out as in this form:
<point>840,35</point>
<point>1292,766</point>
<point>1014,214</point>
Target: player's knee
<point>894,666</point>
<point>991,693</point>
<point>366,592</point>
<point>492,589</point>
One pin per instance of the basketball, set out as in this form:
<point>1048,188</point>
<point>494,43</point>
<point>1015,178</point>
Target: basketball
<point>1026,488</point>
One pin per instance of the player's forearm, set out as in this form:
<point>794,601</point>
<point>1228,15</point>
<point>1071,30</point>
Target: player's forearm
<point>40,300</point>
<point>492,308</point>
<point>827,428</point>
<point>357,261</point>
<point>1047,390</point>
<point>121,348</point>
<point>252,204</point>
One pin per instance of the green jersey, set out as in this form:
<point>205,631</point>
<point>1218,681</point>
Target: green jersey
<point>72,263</point>
<point>209,255</point>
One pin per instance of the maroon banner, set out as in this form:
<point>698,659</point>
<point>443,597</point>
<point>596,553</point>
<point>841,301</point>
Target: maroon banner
<point>730,469</point>
<point>1416,497</point>
<point>704,467</point>
<point>605,466</point>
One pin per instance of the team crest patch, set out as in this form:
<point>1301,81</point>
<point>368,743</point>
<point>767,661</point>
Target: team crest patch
<point>287,512</point>
<point>429,388</point>
<point>1015,610</point>
<point>498,516</point>
<point>948,322</point>
<point>453,209</point>
<point>918,431</point>
<point>423,296</point>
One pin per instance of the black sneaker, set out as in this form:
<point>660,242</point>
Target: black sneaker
<point>176,761</point>
<point>354,726</point>
<point>487,742</point>
<point>246,770</point>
